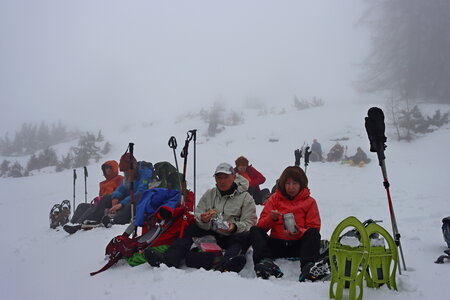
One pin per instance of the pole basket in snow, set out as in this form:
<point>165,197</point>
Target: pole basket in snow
<point>375,128</point>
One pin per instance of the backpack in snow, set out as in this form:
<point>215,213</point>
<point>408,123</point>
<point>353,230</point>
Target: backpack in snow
<point>165,175</point>
<point>155,232</point>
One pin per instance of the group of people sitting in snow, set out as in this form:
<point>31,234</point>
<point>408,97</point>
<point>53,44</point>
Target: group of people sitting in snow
<point>226,212</point>
<point>338,153</point>
<point>232,201</point>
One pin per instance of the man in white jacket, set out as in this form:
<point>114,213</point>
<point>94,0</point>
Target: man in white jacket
<point>227,212</point>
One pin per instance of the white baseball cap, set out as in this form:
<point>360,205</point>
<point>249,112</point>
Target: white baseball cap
<point>224,168</point>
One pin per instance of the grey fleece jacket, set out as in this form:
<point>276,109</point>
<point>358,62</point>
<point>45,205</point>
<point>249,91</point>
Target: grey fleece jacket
<point>238,208</point>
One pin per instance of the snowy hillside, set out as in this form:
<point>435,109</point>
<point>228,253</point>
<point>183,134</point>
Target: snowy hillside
<point>40,263</point>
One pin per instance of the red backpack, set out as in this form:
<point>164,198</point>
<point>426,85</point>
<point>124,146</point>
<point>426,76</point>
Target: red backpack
<point>155,232</point>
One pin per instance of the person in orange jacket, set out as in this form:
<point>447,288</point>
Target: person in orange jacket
<point>254,178</point>
<point>293,218</point>
<point>113,179</point>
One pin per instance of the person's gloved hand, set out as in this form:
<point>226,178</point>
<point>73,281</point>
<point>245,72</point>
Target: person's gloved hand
<point>298,156</point>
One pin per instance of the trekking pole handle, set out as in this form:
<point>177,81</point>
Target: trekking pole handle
<point>173,142</point>
<point>190,135</point>
<point>193,134</point>
<point>131,147</point>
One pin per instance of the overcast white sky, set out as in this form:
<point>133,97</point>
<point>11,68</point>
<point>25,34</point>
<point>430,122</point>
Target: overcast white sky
<point>87,59</point>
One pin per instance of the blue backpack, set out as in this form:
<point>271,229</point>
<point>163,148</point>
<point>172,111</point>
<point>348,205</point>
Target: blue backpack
<point>446,230</point>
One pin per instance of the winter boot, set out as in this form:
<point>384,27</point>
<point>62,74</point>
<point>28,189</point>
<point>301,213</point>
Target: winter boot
<point>312,271</point>
<point>71,228</point>
<point>231,264</point>
<point>155,259</point>
<point>266,268</point>
<point>107,221</point>
<point>54,216</point>
<point>205,260</point>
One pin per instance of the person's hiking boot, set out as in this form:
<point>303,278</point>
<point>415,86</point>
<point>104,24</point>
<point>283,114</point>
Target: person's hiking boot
<point>266,268</point>
<point>313,271</point>
<point>155,259</point>
<point>107,221</point>
<point>230,264</point>
<point>71,228</point>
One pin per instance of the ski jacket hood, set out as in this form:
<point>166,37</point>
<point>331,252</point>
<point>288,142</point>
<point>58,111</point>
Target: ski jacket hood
<point>237,208</point>
<point>112,181</point>
<point>114,167</point>
<point>304,208</point>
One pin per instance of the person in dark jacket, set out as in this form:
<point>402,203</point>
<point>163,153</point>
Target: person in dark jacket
<point>359,159</point>
<point>316,151</point>
<point>254,178</point>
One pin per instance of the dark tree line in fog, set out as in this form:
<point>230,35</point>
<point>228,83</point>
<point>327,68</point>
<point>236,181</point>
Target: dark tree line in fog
<point>37,141</point>
<point>410,55</point>
<point>32,137</point>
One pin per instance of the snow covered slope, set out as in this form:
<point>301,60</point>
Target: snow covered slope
<point>40,263</point>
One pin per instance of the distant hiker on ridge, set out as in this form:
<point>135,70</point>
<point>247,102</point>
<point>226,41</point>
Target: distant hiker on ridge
<point>359,159</point>
<point>336,153</point>
<point>316,151</point>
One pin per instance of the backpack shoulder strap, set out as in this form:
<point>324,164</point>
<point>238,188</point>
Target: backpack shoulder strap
<point>111,262</point>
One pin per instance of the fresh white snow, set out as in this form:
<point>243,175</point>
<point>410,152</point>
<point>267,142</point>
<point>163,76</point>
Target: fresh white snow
<point>40,263</point>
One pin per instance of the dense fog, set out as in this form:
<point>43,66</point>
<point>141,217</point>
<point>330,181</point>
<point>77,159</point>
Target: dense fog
<point>91,64</point>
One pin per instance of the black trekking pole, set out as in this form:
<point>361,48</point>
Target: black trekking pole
<point>194,133</point>
<point>85,186</point>
<point>131,148</point>
<point>298,157</point>
<point>184,154</point>
<point>173,145</point>
<point>74,180</point>
<point>307,154</point>
<point>375,130</point>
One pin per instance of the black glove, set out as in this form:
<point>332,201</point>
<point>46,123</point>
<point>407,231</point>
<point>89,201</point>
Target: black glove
<point>298,156</point>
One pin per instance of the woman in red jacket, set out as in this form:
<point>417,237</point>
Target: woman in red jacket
<point>254,178</point>
<point>300,238</point>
